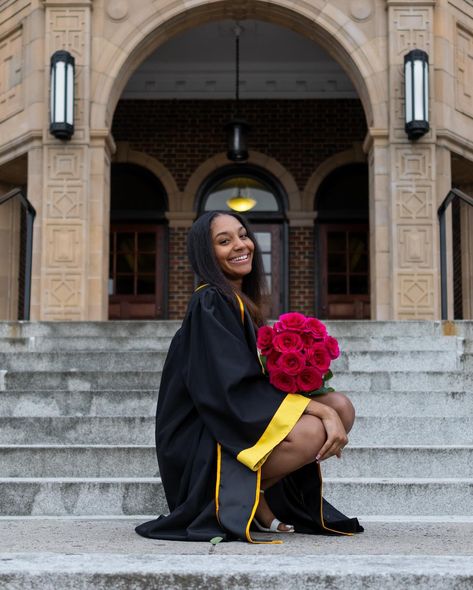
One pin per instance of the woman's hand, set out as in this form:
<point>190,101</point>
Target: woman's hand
<point>336,434</point>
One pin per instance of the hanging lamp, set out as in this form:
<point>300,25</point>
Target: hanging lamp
<point>237,129</point>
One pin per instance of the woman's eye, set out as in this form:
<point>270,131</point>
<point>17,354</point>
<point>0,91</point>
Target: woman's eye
<point>243,237</point>
<point>223,242</point>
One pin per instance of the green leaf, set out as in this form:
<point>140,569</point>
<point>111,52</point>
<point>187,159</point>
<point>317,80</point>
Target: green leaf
<point>216,540</point>
<point>328,375</point>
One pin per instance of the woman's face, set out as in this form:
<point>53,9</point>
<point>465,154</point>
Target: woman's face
<point>232,246</point>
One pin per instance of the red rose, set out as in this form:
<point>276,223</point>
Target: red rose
<point>272,360</point>
<point>332,347</point>
<point>282,381</point>
<point>307,339</point>
<point>309,379</point>
<point>316,328</point>
<point>265,340</point>
<point>292,321</point>
<point>318,357</point>
<point>287,342</point>
<point>291,362</point>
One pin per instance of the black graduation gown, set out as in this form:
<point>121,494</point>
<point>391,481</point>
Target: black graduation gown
<point>218,418</point>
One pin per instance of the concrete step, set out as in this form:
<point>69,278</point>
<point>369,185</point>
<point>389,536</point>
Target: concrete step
<point>73,430</point>
<point>402,461</point>
<point>78,461</point>
<point>346,381</point>
<point>149,571</point>
<point>92,554</point>
<point>134,430</point>
<point>402,496</point>
<point>140,461</point>
<point>83,361</point>
<point>416,430</point>
<point>127,496</point>
<point>351,344</point>
<point>50,403</point>
<point>133,360</point>
<point>143,403</point>
<point>79,380</point>
<point>83,343</point>
<point>125,329</point>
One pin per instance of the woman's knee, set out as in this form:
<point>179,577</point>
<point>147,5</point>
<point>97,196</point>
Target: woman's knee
<point>343,406</point>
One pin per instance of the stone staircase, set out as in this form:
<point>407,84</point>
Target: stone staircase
<point>77,404</point>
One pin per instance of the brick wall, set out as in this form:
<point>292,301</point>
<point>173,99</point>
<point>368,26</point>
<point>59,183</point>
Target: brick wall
<point>300,134</point>
<point>181,277</point>
<point>301,270</point>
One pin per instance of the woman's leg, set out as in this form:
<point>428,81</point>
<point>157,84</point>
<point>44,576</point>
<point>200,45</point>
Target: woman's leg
<point>299,448</point>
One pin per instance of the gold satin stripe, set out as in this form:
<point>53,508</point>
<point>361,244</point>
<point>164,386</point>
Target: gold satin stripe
<point>242,308</point>
<point>217,483</point>
<point>280,426</point>
<point>201,287</point>
<point>253,512</point>
<point>322,521</point>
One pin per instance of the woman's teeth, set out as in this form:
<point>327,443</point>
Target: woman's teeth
<point>239,258</point>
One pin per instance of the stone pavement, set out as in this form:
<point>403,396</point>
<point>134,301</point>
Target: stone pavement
<point>96,554</point>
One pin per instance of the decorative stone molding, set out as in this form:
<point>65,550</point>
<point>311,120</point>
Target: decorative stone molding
<point>11,73</point>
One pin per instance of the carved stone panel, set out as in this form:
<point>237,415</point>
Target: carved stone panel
<point>464,71</point>
<point>67,28</point>
<point>65,201</point>
<point>11,63</point>
<point>415,298</point>
<point>412,29</point>
<point>413,163</point>
<point>415,246</point>
<point>64,246</point>
<point>414,201</point>
<point>63,296</point>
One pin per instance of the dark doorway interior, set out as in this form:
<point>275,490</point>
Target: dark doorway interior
<point>342,244</point>
<point>138,245</point>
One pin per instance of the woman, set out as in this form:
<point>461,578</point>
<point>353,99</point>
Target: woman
<point>234,451</point>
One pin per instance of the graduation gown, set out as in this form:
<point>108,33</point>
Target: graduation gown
<point>218,418</point>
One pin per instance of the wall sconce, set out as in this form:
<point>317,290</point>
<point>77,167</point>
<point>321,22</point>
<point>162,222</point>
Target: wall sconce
<point>62,95</point>
<point>416,76</point>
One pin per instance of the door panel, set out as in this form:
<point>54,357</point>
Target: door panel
<point>269,237</point>
<point>136,278</point>
<point>344,271</point>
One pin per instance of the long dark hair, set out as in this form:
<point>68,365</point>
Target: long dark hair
<point>200,251</point>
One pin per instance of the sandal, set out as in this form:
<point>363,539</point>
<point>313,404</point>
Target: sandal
<point>273,527</point>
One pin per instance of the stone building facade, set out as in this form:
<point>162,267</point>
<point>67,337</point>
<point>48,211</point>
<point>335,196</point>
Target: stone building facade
<point>69,182</point>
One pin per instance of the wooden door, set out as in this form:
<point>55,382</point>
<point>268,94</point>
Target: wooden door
<point>344,273</point>
<point>137,271</point>
<point>269,237</point>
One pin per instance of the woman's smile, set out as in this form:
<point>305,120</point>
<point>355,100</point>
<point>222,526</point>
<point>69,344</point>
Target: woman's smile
<point>232,246</point>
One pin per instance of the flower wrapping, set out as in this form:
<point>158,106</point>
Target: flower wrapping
<point>296,354</point>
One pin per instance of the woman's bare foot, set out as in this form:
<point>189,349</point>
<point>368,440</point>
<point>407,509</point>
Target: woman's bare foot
<point>265,516</point>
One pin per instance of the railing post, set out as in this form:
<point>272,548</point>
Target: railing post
<point>443,267</point>
<point>30,215</point>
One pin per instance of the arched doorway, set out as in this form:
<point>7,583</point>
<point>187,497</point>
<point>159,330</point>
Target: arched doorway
<point>137,269</point>
<point>266,215</point>
<point>342,237</point>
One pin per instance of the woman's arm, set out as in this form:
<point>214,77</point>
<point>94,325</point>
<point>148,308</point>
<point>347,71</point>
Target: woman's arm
<point>336,434</point>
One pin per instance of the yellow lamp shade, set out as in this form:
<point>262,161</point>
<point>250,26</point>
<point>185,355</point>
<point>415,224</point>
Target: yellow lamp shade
<point>241,204</point>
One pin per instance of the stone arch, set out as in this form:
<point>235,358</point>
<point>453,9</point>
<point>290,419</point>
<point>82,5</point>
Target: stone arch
<point>351,156</point>
<point>135,39</point>
<point>257,159</point>
<point>124,154</point>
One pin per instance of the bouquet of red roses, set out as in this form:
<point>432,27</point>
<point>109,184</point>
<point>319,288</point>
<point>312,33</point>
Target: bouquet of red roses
<point>296,354</point>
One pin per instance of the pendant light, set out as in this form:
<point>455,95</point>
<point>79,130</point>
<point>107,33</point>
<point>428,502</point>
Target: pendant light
<point>237,129</point>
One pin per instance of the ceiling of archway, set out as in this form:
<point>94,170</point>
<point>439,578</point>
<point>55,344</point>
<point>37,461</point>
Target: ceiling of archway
<point>275,63</point>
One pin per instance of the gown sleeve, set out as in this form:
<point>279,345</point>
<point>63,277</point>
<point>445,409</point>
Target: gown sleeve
<point>242,410</point>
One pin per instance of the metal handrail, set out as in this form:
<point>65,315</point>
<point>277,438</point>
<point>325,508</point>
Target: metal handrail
<point>30,215</point>
<point>454,193</point>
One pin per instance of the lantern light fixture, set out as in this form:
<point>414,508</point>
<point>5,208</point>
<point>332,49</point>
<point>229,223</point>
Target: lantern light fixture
<point>416,77</point>
<point>237,129</point>
<point>243,200</point>
<point>62,94</point>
